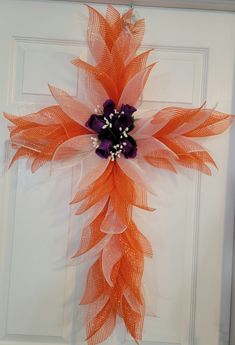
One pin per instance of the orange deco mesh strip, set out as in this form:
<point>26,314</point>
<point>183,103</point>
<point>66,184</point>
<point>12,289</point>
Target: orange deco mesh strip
<point>122,258</point>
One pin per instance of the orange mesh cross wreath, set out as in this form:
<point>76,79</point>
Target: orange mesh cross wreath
<point>116,151</point>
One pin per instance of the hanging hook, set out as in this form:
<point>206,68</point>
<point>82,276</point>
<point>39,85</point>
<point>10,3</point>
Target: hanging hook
<point>134,12</point>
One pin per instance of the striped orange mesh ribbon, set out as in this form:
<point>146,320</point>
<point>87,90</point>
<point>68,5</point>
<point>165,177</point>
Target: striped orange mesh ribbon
<point>116,153</point>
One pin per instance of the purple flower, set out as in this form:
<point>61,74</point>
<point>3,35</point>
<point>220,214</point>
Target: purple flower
<point>122,122</point>
<point>96,123</point>
<point>104,149</point>
<point>129,148</point>
<point>109,107</point>
<point>128,109</point>
<point>113,127</point>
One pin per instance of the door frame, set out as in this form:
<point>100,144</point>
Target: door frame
<point>225,5</point>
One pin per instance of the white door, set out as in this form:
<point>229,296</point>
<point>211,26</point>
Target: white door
<point>187,284</point>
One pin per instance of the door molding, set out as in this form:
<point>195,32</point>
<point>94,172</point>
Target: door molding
<point>225,5</point>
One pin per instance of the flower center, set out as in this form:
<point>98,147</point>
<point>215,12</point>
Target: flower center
<point>113,127</point>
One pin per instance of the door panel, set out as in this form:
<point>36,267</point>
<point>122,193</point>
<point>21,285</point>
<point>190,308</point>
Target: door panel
<point>187,284</point>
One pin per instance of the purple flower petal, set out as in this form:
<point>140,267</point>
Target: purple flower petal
<point>127,109</point>
<point>130,148</point>
<point>109,107</point>
<point>104,148</point>
<point>96,123</point>
<point>123,122</point>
